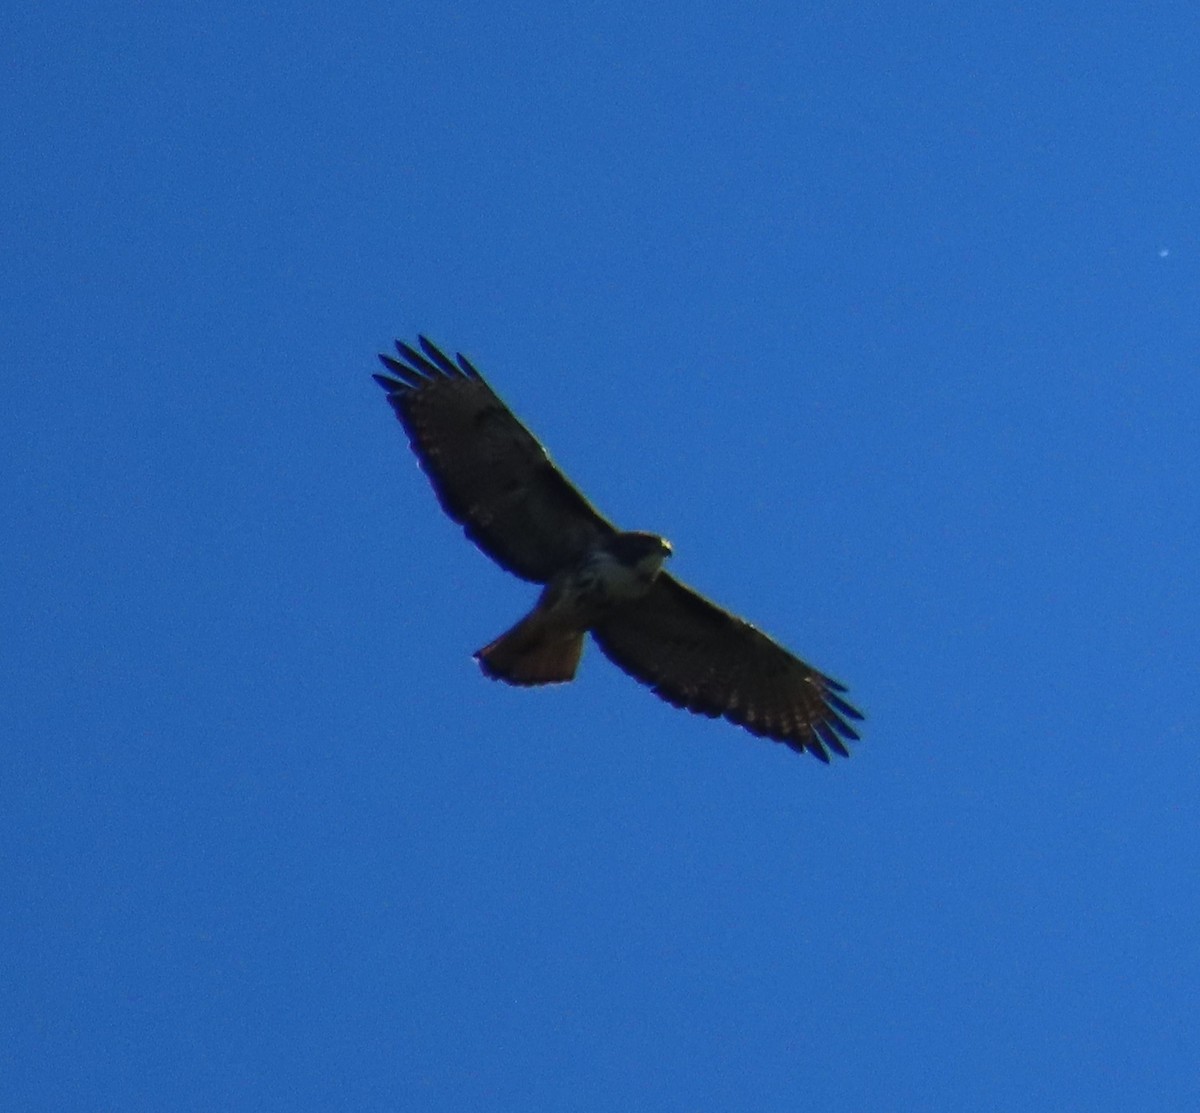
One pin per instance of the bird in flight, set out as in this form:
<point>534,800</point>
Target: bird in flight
<point>493,477</point>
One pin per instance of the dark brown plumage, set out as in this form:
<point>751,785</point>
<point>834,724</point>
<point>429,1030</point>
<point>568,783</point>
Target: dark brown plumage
<point>494,478</point>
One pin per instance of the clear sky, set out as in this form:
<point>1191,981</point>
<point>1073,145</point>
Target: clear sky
<point>886,315</point>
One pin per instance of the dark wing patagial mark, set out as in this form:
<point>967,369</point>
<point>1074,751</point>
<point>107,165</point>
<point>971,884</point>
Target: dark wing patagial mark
<point>696,655</point>
<point>489,472</point>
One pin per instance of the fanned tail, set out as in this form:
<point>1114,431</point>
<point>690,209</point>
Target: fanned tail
<point>534,651</point>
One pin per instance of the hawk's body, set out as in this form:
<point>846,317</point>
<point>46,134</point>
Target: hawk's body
<point>492,476</point>
<point>545,646</point>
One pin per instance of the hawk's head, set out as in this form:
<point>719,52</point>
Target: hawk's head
<point>644,553</point>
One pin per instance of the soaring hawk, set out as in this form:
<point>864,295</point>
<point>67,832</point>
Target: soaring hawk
<point>493,477</point>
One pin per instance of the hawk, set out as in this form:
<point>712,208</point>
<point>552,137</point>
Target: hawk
<point>493,477</point>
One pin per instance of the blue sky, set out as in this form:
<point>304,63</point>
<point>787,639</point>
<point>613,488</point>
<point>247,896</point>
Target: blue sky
<point>885,315</point>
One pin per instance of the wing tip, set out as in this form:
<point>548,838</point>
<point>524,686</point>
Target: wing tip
<point>836,703</point>
<point>818,751</point>
<point>468,368</point>
<point>416,363</point>
<point>444,363</point>
<point>401,378</point>
<point>416,367</point>
<point>828,734</point>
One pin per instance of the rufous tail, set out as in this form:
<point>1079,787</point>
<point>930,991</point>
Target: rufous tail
<point>535,651</point>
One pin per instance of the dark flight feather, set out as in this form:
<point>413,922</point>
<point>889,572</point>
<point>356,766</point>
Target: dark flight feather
<point>489,472</point>
<point>697,655</point>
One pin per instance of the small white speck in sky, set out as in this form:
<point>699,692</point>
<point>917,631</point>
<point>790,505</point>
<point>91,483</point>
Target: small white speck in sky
<point>1163,252</point>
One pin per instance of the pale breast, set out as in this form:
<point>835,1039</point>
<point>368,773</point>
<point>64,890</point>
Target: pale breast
<point>605,580</point>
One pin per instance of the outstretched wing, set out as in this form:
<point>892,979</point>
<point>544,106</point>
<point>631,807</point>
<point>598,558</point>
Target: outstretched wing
<point>695,655</point>
<point>489,472</point>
